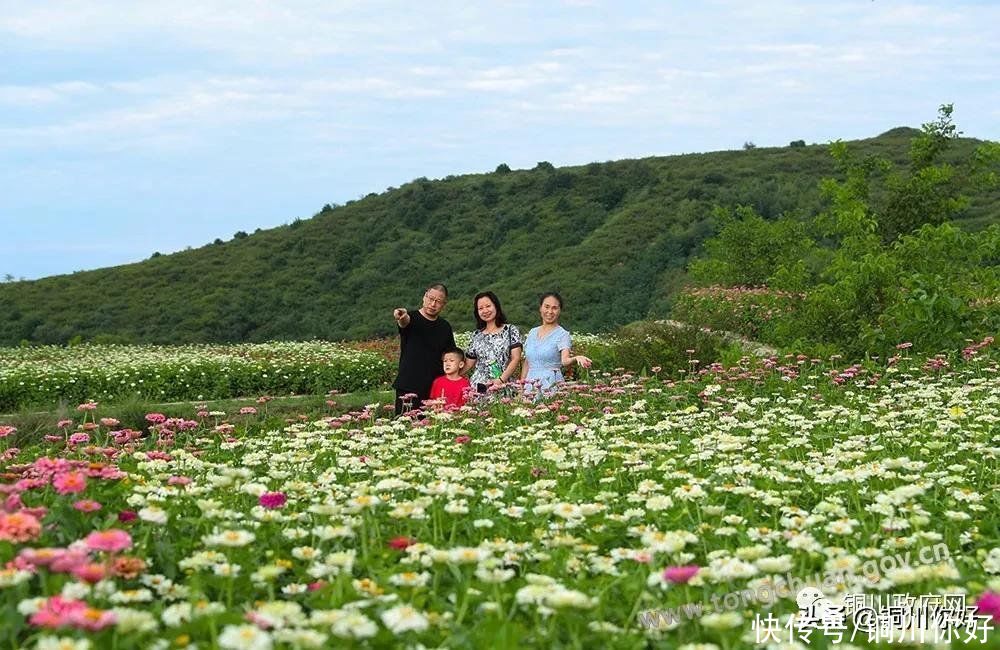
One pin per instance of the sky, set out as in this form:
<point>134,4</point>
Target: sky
<point>133,127</point>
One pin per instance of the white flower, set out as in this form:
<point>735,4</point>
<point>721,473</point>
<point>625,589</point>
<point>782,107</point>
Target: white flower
<point>11,577</point>
<point>244,637</point>
<point>992,562</point>
<point>232,538</point>
<point>129,620</point>
<point>354,625</point>
<point>494,576</point>
<point>132,596</point>
<point>153,514</point>
<point>176,615</point>
<point>659,502</point>
<point>61,643</point>
<point>29,606</point>
<point>723,621</point>
<point>299,638</point>
<point>410,579</point>
<point>404,618</point>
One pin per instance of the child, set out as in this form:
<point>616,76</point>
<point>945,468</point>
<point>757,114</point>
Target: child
<point>451,386</point>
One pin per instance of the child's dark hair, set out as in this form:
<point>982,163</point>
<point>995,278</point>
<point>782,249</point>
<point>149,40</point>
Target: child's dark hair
<point>455,350</point>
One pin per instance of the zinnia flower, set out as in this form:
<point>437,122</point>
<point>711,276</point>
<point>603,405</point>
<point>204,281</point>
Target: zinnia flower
<point>400,543</point>
<point>70,482</point>
<point>112,540</point>
<point>272,500</point>
<point>680,574</point>
<point>989,604</point>
<point>19,527</point>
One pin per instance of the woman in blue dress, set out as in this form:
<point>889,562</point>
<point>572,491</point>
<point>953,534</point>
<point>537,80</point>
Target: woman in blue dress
<point>546,349</point>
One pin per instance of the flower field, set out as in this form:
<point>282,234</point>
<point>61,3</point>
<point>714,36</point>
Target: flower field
<point>42,376</point>
<point>571,523</point>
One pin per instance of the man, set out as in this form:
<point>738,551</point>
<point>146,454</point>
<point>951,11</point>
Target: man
<point>423,338</point>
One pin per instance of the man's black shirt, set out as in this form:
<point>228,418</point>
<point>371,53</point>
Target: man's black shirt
<point>421,345</point>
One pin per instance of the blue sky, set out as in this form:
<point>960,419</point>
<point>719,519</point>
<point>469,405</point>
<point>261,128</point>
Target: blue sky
<point>128,128</point>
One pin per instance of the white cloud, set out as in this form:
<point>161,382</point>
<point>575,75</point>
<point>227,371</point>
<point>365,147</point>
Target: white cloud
<point>25,95</point>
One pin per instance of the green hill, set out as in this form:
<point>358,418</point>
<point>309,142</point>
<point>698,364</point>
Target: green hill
<point>613,237</point>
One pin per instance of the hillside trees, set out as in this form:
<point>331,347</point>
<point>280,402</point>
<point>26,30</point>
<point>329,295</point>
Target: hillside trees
<point>883,263</point>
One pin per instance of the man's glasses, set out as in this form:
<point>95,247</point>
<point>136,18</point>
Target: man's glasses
<point>435,301</point>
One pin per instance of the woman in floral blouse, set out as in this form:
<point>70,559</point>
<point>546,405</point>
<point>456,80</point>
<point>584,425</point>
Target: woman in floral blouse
<point>495,349</point>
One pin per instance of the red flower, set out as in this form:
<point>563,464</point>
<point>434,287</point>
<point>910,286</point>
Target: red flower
<point>462,440</point>
<point>400,543</point>
<point>126,516</point>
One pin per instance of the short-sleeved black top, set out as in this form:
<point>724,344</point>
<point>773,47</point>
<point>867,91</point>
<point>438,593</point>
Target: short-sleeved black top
<point>421,345</point>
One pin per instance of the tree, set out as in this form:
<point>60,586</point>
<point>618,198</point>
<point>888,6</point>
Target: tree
<point>797,143</point>
<point>502,168</point>
<point>748,145</point>
<point>8,277</point>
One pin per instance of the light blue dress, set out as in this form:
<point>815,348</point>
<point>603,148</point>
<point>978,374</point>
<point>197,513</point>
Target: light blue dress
<point>544,357</point>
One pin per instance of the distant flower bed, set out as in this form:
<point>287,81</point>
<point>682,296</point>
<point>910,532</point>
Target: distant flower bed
<point>748,311</point>
<point>44,376</point>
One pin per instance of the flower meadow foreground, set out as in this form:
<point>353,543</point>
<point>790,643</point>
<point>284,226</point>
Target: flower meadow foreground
<point>629,512</point>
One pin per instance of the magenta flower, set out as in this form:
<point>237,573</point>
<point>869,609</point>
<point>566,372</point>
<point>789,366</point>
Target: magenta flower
<point>989,604</point>
<point>272,500</point>
<point>680,574</point>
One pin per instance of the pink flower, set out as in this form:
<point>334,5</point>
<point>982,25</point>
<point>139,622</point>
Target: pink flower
<point>87,406</point>
<point>248,410</point>
<point>156,418</point>
<point>272,500</point>
<point>62,424</point>
<point>126,516</point>
<point>7,430</point>
<point>79,438</point>
<point>178,480</point>
<point>19,527</point>
<point>91,619</point>
<point>90,572</point>
<point>903,346</point>
<point>316,586</point>
<point>111,540</point>
<point>55,612</point>
<point>989,604</point>
<point>462,440</point>
<point>109,422</point>
<point>70,482</point>
<point>87,505</point>
<point>680,574</point>
<point>68,559</point>
<point>36,557</point>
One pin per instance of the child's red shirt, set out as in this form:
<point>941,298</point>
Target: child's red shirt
<point>452,390</point>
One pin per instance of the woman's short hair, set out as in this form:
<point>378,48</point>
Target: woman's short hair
<point>480,323</point>
<point>551,294</point>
